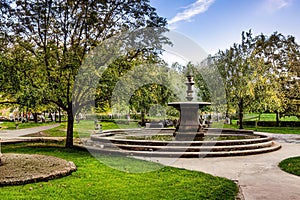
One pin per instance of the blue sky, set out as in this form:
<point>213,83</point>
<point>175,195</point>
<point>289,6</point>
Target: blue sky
<point>217,24</point>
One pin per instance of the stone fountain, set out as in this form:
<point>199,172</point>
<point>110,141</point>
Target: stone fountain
<point>189,126</point>
<point>188,139</point>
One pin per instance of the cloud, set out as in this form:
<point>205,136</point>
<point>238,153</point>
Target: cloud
<point>275,5</point>
<point>200,6</point>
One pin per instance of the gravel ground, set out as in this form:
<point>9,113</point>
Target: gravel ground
<point>16,169</point>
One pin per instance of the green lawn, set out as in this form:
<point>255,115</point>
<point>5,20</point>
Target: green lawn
<point>279,130</point>
<point>85,128</point>
<point>94,180</point>
<point>12,125</point>
<point>291,165</point>
<point>268,117</point>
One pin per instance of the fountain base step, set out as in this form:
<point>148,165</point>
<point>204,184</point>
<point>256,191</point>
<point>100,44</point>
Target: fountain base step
<point>182,154</point>
<point>160,143</point>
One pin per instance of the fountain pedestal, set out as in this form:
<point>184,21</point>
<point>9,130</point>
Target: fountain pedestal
<point>189,127</point>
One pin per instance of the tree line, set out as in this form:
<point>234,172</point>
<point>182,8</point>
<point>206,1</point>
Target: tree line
<point>44,42</point>
<point>261,74</point>
<point>45,45</point>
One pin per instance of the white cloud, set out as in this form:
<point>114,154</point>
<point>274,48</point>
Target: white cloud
<point>200,6</point>
<point>275,5</point>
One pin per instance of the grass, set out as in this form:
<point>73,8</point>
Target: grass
<point>60,131</point>
<point>268,117</point>
<point>279,130</point>
<point>265,117</point>
<point>94,180</point>
<point>12,125</point>
<point>85,128</point>
<point>291,165</point>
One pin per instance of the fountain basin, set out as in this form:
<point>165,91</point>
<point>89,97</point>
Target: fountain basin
<point>160,143</point>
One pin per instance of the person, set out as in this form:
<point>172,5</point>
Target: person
<point>227,120</point>
<point>43,118</point>
<point>78,118</point>
<point>128,118</point>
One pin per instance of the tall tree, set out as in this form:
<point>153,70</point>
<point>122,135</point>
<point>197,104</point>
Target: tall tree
<point>60,33</point>
<point>236,70</point>
<point>281,56</point>
<point>260,74</point>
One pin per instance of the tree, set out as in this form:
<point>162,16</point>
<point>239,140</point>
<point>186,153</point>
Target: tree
<point>260,73</point>
<point>60,33</point>
<point>236,70</point>
<point>281,56</point>
<point>147,84</point>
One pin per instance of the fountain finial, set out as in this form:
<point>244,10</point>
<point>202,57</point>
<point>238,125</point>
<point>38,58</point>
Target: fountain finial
<point>190,82</point>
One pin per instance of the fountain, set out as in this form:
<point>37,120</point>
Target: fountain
<point>189,127</point>
<point>188,139</point>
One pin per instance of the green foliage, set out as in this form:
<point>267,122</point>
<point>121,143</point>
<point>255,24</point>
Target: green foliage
<point>50,40</point>
<point>260,73</point>
<point>237,72</point>
<point>137,86</point>
<point>94,180</point>
<point>291,165</point>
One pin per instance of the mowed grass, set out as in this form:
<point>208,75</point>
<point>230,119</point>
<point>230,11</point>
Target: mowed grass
<point>278,130</point>
<point>268,117</point>
<point>85,128</point>
<point>12,125</point>
<point>291,165</point>
<point>94,180</point>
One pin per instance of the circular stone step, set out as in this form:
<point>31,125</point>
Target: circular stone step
<point>136,142</point>
<point>183,154</point>
<point>194,148</point>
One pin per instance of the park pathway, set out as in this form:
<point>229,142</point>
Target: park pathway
<point>259,176</point>
<point>14,134</point>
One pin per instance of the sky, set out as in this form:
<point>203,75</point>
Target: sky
<point>218,24</point>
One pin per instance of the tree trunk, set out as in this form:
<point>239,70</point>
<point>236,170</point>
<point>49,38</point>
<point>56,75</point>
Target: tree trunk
<point>69,139</point>
<point>241,112</point>
<point>55,116</point>
<point>277,119</point>
<point>35,117</point>
<point>143,118</point>
<point>27,120</point>
<point>59,115</point>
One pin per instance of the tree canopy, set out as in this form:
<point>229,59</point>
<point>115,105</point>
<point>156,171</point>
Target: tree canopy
<point>56,35</point>
<point>259,74</point>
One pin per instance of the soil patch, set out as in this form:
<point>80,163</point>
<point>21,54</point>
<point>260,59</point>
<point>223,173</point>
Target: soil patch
<point>18,169</point>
